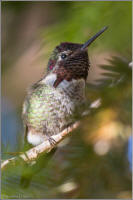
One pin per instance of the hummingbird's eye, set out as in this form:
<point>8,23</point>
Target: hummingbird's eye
<point>63,55</point>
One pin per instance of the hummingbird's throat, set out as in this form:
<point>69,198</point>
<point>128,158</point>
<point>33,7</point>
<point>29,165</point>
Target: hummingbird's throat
<point>57,81</point>
<point>53,81</point>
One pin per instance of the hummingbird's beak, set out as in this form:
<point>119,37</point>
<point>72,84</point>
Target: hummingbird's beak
<point>86,44</point>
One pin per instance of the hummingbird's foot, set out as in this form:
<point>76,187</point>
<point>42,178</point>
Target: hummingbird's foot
<point>51,141</point>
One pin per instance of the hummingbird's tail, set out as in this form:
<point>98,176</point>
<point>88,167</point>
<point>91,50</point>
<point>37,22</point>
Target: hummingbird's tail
<point>30,170</point>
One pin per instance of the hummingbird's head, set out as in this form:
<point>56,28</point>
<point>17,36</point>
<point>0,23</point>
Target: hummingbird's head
<point>61,53</point>
<point>70,60</point>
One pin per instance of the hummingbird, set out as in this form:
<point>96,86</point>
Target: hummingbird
<point>51,102</point>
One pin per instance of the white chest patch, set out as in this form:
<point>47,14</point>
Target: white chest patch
<point>34,139</point>
<point>51,78</point>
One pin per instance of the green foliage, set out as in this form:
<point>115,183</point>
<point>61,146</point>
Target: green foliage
<point>80,20</point>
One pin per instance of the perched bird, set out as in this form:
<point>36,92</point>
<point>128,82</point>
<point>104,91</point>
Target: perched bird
<point>50,104</point>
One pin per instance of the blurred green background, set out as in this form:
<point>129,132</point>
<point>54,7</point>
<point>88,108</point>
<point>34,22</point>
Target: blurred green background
<point>96,160</point>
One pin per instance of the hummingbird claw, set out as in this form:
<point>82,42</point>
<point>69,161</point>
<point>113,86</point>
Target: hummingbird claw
<point>51,141</point>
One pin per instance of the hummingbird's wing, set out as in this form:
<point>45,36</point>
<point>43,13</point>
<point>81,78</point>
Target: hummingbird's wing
<point>24,110</point>
<point>30,90</point>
